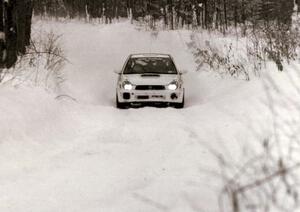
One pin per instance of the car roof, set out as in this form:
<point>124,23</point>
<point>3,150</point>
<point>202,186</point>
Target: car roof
<point>145,55</point>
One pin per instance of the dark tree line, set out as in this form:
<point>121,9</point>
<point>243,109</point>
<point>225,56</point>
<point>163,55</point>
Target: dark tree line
<point>218,14</point>
<point>82,8</point>
<point>15,29</point>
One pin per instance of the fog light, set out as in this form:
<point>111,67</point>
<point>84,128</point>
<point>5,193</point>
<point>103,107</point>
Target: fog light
<point>126,96</point>
<point>174,96</point>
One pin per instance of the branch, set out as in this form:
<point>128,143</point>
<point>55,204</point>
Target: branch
<point>259,182</point>
<point>49,53</point>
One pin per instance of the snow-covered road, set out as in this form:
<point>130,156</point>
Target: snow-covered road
<point>62,155</point>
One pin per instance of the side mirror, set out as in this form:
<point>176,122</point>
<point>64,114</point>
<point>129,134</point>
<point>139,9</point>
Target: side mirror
<point>183,72</point>
<point>117,72</point>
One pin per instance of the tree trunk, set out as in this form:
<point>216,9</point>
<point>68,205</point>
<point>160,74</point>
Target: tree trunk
<point>171,14</point>
<point>225,14</point>
<point>205,14</point>
<point>235,14</point>
<point>15,29</point>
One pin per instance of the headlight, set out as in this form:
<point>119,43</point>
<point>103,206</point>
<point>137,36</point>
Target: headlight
<point>173,86</point>
<point>127,85</point>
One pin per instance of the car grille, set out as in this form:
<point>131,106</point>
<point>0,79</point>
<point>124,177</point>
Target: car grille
<point>150,87</point>
<point>143,97</point>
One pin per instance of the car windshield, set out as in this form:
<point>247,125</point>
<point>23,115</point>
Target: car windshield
<point>150,65</point>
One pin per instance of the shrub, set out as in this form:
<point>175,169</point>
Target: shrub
<point>221,58</point>
<point>41,64</point>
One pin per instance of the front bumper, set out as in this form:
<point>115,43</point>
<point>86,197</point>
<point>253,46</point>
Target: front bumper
<point>140,96</point>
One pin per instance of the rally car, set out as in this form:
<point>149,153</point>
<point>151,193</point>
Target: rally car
<point>149,78</point>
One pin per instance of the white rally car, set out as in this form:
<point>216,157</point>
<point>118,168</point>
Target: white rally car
<point>150,78</point>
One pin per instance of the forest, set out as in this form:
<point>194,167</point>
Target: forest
<point>209,14</point>
<point>205,13</point>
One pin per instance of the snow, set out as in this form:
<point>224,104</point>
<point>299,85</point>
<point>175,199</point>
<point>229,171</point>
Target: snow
<point>86,155</point>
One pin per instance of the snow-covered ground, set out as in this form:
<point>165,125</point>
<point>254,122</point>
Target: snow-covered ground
<point>86,155</point>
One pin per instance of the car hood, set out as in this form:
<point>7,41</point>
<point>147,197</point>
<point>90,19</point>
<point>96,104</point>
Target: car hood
<point>162,79</point>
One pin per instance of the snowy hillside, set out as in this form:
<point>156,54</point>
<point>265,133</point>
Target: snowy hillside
<point>86,155</point>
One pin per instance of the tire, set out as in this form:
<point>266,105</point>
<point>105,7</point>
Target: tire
<point>120,105</point>
<point>179,105</point>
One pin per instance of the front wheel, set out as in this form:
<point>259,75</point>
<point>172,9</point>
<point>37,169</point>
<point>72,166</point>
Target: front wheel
<point>120,105</point>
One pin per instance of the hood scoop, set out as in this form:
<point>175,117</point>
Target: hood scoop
<point>150,75</point>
